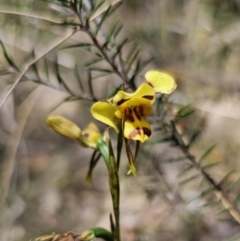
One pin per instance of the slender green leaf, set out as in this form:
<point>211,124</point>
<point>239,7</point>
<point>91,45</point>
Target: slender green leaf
<point>188,180</point>
<point>188,168</point>
<point>94,61</point>
<point>237,198</point>
<point>104,17</point>
<point>194,137</point>
<point>46,68</point>
<point>226,177</point>
<point>77,45</point>
<point>182,109</point>
<point>115,7</point>
<point>202,194</point>
<point>184,115</point>
<point>93,162</point>
<point>212,164</point>
<point>60,79</point>
<point>34,66</point>
<point>177,159</point>
<point>78,77</point>
<point>233,184</point>
<point>99,70</point>
<point>80,5</point>
<point>96,7</point>
<point>8,58</point>
<point>111,31</point>
<point>206,153</point>
<point>133,53</point>
<point>221,211</point>
<point>120,46</point>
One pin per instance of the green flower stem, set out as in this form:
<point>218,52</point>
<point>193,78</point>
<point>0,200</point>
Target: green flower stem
<point>119,145</point>
<point>103,148</point>
<point>115,190</point>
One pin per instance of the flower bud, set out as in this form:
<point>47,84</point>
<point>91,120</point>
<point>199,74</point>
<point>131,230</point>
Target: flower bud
<point>64,127</point>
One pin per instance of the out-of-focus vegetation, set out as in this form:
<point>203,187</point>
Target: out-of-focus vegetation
<point>43,186</point>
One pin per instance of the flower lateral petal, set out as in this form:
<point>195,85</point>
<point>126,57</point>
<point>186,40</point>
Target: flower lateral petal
<point>91,133</point>
<point>104,112</point>
<point>160,81</point>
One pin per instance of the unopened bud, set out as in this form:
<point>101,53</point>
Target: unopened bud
<point>64,127</point>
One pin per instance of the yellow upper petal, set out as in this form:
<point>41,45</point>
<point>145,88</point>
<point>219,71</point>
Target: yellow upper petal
<point>161,82</point>
<point>144,91</point>
<point>104,112</point>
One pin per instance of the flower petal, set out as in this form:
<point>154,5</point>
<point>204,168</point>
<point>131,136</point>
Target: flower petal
<point>161,82</point>
<point>140,107</point>
<point>91,133</point>
<point>137,130</point>
<point>104,112</point>
<point>144,91</point>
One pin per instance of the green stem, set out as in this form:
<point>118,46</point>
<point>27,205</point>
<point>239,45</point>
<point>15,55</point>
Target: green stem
<point>115,190</point>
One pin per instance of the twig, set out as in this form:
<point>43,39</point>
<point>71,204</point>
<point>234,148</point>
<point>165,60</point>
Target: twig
<point>28,65</point>
<point>29,15</point>
<point>217,189</point>
<point>12,146</point>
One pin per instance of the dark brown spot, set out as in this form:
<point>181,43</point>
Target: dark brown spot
<point>147,131</point>
<point>138,110</point>
<point>128,113</point>
<point>121,101</point>
<point>148,97</point>
<point>86,135</point>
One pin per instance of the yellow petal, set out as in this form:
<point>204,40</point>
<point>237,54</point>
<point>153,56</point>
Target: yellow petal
<point>144,91</point>
<point>91,133</point>
<point>141,107</point>
<point>104,112</point>
<point>138,130</point>
<point>161,82</point>
<point>64,127</point>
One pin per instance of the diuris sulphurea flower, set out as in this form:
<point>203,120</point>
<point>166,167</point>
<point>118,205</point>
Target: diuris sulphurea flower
<point>133,107</point>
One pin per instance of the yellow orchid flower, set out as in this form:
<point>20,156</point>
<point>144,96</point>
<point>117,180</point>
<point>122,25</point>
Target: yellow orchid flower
<point>135,125</point>
<point>133,107</point>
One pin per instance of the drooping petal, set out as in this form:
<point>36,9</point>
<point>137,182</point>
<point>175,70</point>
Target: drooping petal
<point>91,133</point>
<point>141,107</point>
<point>144,91</point>
<point>137,130</point>
<point>104,112</point>
<point>161,82</point>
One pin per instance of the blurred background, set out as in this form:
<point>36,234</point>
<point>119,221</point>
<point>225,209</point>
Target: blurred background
<point>43,174</point>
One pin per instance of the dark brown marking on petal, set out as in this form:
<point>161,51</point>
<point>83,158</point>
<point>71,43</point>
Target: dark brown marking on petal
<point>128,114</point>
<point>86,135</point>
<point>122,101</point>
<point>147,131</point>
<point>137,111</point>
<point>149,83</point>
<point>148,97</point>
